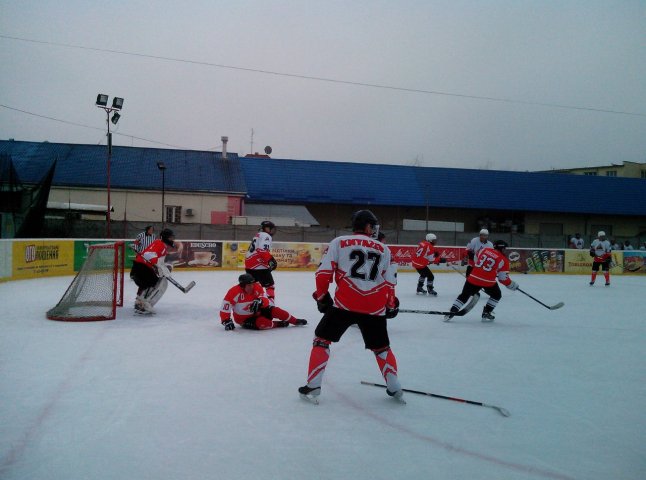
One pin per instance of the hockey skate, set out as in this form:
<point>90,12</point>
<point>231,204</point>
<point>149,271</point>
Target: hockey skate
<point>607,284</point>
<point>420,290</point>
<point>592,283</point>
<point>310,394</point>
<point>431,291</point>
<point>300,321</point>
<point>487,317</point>
<point>398,395</point>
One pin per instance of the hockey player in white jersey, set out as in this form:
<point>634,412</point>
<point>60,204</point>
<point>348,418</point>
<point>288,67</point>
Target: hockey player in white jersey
<point>602,253</point>
<point>258,261</point>
<point>474,246</point>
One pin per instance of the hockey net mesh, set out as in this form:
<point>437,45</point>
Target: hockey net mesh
<point>97,289</point>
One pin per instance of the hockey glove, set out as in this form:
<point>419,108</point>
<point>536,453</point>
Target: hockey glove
<point>229,325</point>
<point>439,260</point>
<point>464,262</point>
<point>513,286</point>
<point>255,305</point>
<point>273,264</point>
<point>162,270</point>
<point>323,303</point>
<point>391,312</point>
<point>592,254</point>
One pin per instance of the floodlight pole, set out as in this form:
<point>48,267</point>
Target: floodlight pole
<point>162,166</point>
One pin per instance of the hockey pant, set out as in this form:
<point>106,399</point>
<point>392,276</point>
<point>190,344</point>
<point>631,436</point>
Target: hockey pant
<point>320,354</point>
<point>605,267</point>
<point>265,319</point>
<point>470,289</point>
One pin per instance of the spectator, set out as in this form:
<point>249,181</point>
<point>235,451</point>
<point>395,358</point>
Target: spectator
<point>614,245</point>
<point>576,241</point>
<point>643,247</point>
<point>627,246</point>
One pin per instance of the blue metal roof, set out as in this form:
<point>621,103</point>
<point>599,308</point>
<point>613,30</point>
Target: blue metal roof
<point>131,167</point>
<point>300,181</point>
<point>271,180</point>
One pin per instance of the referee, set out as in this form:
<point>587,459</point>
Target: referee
<point>144,239</point>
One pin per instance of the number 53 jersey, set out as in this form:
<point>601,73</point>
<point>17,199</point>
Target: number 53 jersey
<point>362,270</point>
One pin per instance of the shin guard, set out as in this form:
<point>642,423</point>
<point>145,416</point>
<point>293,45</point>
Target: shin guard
<point>318,361</point>
<point>388,366</point>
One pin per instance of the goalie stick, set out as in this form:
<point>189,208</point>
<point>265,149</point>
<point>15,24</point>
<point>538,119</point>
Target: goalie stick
<point>185,289</point>
<point>466,309</point>
<point>503,411</point>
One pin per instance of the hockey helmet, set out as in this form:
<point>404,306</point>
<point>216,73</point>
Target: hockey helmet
<point>381,236</point>
<point>270,225</point>
<point>361,218</point>
<point>484,232</point>
<point>500,245</point>
<point>246,279</point>
<point>601,234</point>
<point>167,236</point>
<point>431,237</point>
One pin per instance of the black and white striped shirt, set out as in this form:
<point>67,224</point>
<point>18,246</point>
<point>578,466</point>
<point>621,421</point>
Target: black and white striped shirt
<point>143,241</point>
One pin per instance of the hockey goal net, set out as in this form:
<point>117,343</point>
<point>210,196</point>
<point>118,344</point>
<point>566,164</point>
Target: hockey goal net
<point>97,290</point>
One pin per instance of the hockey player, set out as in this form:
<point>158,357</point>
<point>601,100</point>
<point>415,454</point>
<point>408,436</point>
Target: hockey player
<point>249,306</point>
<point>490,265</point>
<point>149,272</point>
<point>474,246</point>
<point>258,261</point>
<point>365,280</point>
<point>602,253</point>
<point>424,255</point>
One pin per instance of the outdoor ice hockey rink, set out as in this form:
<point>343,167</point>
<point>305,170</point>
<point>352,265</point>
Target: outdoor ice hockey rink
<point>173,396</point>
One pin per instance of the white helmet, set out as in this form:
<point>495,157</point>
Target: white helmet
<point>431,237</point>
<point>484,231</point>
<point>601,234</point>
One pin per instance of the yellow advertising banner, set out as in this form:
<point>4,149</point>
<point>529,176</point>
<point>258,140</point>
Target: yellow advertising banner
<point>580,261</point>
<point>289,255</point>
<point>37,258</point>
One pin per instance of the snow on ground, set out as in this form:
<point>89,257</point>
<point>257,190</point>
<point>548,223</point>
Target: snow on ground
<point>174,396</point>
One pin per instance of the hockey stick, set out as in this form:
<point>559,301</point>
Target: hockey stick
<point>170,279</point>
<point>467,308</point>
<point>553,307</point>
<point>454,268</point>
<point>624,268</point>
<point>503,411</point>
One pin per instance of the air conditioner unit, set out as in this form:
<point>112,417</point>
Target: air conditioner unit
<point>189,212</point>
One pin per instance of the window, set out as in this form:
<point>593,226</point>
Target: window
<point>550,229</point>
<point>611,173</point>
<point>590,173</point>
<point>173,214</point>
<point>643,173</point>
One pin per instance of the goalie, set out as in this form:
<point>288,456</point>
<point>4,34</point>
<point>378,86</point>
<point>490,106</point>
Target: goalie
<point>149,272</point>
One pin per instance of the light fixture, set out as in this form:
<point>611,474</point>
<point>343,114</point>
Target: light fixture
<point>101,100</point>
<point>115,118</point>
<point>117,103</point>
<point>161,165</point>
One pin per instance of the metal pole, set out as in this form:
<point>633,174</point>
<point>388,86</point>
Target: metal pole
<point>109,161</point>
<point>163,199</point>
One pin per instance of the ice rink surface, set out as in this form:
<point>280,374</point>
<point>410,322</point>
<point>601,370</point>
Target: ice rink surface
<point>174,396</point>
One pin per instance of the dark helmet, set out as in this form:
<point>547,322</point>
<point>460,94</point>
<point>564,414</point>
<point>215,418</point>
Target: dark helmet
<point>246,279</point>
<point>381,236</point>
<point>500,245</point>
<point>361,218</point>
<point>267,224</point>
<point>166,235</point>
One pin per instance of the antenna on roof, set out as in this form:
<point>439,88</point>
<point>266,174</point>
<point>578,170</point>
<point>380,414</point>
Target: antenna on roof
<point>251,145</point>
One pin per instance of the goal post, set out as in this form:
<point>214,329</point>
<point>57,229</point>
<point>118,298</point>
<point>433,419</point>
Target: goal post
<point>97,290</point>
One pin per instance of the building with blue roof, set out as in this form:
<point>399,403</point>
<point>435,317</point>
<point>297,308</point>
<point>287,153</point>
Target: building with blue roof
<point>212,188</point>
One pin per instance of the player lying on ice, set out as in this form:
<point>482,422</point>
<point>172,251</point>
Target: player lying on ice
<point>250,308</point>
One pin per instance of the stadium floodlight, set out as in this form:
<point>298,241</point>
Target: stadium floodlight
<point>117,104</point>
<point>101,100</point>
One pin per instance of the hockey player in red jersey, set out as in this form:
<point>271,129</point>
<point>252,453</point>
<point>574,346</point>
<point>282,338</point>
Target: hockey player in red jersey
<point>424,255</point>
<point>149,272</point>
<point>490,267</point>
<point>365,281</point>
<point>247,305</point>
<point>258,261</point>
<point>602,253</point>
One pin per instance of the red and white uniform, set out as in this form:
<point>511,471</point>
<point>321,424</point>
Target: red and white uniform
<point>424,255</point>
<point>236,304</point>
<point>362,270</point>
<point>474,247</point>
<point>154,254</point>
<point>490,265</point>
<point>259,252</point>
<point>602,250</point>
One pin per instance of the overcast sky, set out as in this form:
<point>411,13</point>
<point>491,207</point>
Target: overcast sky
<point>470,84</point>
